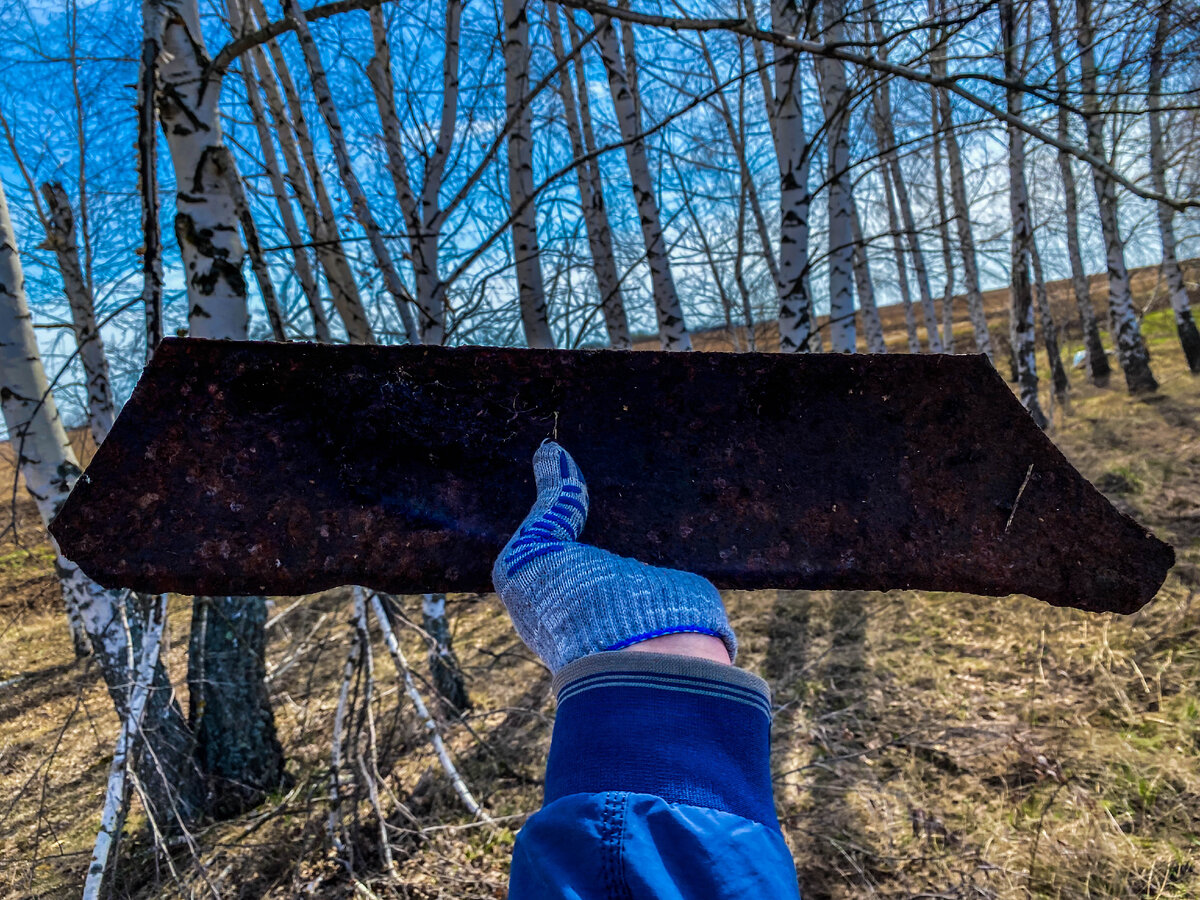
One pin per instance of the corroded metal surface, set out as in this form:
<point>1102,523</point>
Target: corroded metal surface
<point>245,468</point>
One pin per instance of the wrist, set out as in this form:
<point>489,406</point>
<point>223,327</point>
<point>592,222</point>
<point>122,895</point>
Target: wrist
<point>685,643</point>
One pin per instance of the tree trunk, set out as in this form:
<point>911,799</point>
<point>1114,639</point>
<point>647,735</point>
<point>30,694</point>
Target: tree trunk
<point>341,153</point>
<point>60,237</point>
<point>672,330</point>
<point>291,229</point>
<point>1127,333</point>
<point>885,133</point>
<point>866,289</point>
<point>1058,372</point>
<point>1021,328</point>
<point>242,763</point>
<point>797,324</point>
<point>939,189</point>
<point>48,466</point>
<point>962,225</point>
<point>526,252</point>
<point>591,195</point>
<point>910,322</point>
<point>835,99</point>
<point>1097,359</point>
<point>443,663</point>
<point>431,311</point>
<point>295,141</point>
<point>1189,337</point>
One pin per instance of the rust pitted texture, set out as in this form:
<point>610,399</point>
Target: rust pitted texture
<point>248,468</point>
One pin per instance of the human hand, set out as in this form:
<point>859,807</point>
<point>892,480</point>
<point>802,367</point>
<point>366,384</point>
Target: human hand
<point>569,600</point>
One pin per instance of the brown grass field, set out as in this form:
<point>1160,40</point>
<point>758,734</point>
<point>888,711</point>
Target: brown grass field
<point>926,745</point>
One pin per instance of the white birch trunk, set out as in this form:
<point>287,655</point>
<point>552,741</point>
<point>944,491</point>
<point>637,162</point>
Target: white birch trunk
<point>939,188</point>
<point>1189,337</point>
<point>430,723</point>
<point>962,226</point>
<point>1021,327</point>
<point>431,312</point>
<point>49,468</point>
<point>291,229</point>
<point>1097,360</point>
<point>531,291</point>
<point>341,153</point>
<point>1058,372</point>
<point>60,238</point>
<point>797,324</point>
<point>835,99</point>
<point>591,194</point>
<point>295,143</point>
<point>885,134</point>
<point>1127,332</point>
<point>672,330</point>
<point>206,213</point>
<point>865,286</point>
<point>116,795</point>
<point>910,321</point>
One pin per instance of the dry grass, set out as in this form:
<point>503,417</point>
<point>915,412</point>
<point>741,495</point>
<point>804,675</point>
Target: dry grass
<point>926,745</point>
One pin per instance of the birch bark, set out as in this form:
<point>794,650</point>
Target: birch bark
<point>835,99</point>
<point>291,229</point>
<point>962,227</point>
<point>1097,360</point>
<point>1021,327</point>
<point>865,286</point>
<point>206,215</point>
<point>1058,373</point>
<point>1131,349</point>
<point>341,153</point>
<point>531,291</point>
<point>430,295</point>
<point>885,133</point>
<point>1185,325</point>
<point>797,324</point>
<point>49,468</point>
<point>60,238</point>
<point>296,143</point>
<point>231,713</point>
<point>910,321</point>
<point>591,194</point>
<point>939,188</point>
<point>672,330</point>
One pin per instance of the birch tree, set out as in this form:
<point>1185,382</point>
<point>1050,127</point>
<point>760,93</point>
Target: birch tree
<point>97,617</point>
<point>672,330</point>
<point>865,286</point>
<point>230,711</point>
<point>296,146</point>
<point>910,321</point>
<point>581,133</point>
<point>797,324</point>
<point>1127,332</point>
<point>61,239</point>
<point>835,100</point>
<point>341,152</point>
<point>1185,325</point>
<point>531,291</point>
<point>1097,360</point>
<point>1021,324</point>
<point>885,134</point>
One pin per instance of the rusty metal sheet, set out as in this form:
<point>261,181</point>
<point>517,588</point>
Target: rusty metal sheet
<point>245,468</point>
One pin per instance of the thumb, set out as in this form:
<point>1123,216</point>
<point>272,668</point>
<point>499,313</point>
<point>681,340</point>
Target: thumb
<point>558,515</point>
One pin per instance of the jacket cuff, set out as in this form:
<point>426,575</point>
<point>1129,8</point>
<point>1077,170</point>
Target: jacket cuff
<point>688,730</point>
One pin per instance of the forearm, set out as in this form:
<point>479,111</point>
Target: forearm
<point>658,785</point>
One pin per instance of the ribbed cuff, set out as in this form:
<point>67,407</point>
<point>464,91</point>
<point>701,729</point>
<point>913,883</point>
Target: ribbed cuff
<point>685,729</point>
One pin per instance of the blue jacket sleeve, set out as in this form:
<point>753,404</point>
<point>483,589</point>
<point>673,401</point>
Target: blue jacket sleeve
<point>658,785</point>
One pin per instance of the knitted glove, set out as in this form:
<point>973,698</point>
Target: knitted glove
<point>568,600</point>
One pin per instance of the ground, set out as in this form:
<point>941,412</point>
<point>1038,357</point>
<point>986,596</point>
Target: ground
<point>925,745</point>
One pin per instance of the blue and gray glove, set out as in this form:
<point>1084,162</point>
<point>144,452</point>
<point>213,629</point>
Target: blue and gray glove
<point>568,600</point>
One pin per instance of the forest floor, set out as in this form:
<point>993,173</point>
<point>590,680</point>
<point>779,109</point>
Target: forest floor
<point>927,745</point>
